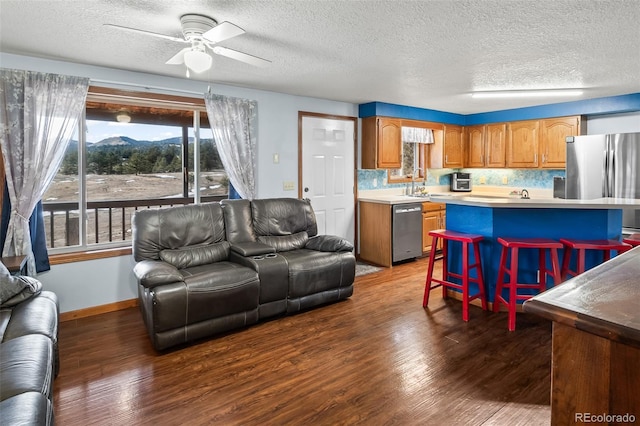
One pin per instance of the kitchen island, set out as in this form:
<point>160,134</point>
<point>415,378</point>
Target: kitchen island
<point>494,217</point>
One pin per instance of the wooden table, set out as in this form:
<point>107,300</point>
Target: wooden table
<point>15,264</point>
<point>595,368</point>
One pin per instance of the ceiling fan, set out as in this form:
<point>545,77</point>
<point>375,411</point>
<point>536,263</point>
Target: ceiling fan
<point>202,32</point>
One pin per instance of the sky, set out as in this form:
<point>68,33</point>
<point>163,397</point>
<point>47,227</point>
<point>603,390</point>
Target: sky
<point>99,130</point>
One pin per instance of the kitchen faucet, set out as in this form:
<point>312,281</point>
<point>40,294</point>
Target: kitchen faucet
<point>413,175</point>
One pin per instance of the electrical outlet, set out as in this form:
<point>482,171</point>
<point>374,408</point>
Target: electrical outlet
<point>483,180</point>
<point>505,180</point>
<point>375,182</point>
<point>288,185</point>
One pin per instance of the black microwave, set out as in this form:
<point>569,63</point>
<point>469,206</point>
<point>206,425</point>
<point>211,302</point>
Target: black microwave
<point>461,182</point>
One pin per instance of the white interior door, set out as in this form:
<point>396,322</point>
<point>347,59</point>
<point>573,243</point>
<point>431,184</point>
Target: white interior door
<point>328,146</point>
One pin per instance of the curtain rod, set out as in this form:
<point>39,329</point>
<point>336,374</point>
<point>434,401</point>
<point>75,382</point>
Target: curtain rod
<point>145,87</point>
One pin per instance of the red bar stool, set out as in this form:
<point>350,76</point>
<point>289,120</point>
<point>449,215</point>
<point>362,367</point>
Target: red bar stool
<point>465,239</point>
<point>633,240</point>
<point>605,246</point>
<point>513,245</point>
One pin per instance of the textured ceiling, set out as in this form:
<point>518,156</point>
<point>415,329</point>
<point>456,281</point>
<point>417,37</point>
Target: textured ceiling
<point>428,53</point>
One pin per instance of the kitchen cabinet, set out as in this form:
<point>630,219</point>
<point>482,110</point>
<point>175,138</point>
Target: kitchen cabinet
<point>553,135</point>
<point>375,232</point>
<point>448,152</point>
<point>433,217</point>
<point>522,144</point>
<point>486,145</point>
<point>381,143</point>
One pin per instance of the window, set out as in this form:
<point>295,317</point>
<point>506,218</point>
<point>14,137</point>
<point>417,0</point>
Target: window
<point>413,159</point>
<point>136,151</point>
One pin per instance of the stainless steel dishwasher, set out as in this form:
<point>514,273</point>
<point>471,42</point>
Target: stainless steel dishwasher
<point>407,231</point>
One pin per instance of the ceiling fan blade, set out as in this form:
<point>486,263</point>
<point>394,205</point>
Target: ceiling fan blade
<point>223,31</point>
<point>240,56</point>
<point>178,58</point>
<point>135,30</point>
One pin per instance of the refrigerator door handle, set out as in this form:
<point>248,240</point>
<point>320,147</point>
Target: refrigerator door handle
<point>608,181</point>
<point>605,171</point>
<point>612,175</point>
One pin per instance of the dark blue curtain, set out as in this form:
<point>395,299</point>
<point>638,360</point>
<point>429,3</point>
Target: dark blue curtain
<point>36,227</point>
<point>233,194</point>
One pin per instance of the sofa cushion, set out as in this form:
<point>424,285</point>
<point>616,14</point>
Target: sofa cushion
<point>29,408</point>
<point>285,242</point>
<point>16,289</point>
<point>172,228</point>
<point>186,257</point>
<point>312,271</point>
<point>26,365</point>
<point>38,315</point>
<point>208,291</point>
<point>329,243</point>
<point>238,222</point>
<point>283,216</point>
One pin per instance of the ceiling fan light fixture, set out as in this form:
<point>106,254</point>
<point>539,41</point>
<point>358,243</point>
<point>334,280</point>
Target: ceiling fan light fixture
<point>527,93</point>
<point>197,60</point>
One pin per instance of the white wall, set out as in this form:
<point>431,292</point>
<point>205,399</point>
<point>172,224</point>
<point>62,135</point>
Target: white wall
<point>98,282</point>
<point>613,123</point>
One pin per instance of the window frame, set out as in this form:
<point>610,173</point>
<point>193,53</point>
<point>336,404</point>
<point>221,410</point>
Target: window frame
<point>108,96</point>
<point>422,164</point>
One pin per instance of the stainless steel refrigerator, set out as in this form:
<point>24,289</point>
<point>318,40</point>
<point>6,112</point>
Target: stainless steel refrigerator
<point>605,166</point>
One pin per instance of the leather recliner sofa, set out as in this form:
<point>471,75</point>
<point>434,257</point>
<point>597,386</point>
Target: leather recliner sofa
<point>28,360</point>
<point>210,268</point>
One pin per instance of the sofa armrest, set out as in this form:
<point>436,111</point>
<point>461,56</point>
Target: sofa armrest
<point>151,273</point>
<point>252,248</point>
<point>329,243</point>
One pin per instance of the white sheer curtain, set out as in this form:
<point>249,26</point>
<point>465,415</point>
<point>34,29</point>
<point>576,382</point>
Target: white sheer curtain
<point>233,123</point>
<point>38,115</point>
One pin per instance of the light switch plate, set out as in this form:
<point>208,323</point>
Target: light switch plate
<point>288,185</point>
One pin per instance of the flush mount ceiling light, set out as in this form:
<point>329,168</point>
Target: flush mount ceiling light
<point>123,117</point>
<point>527,93</point>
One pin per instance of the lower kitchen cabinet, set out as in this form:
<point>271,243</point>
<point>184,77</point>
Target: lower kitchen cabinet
<point>374,221</point>
<point>433,217</point>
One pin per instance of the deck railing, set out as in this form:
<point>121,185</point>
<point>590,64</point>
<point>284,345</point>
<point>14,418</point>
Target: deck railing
<point>108,221</point>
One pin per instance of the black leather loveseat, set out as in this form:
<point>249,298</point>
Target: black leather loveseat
<point>210,268</point>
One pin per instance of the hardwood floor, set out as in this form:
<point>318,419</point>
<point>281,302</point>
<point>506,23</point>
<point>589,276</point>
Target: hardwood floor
<point>377,358</point>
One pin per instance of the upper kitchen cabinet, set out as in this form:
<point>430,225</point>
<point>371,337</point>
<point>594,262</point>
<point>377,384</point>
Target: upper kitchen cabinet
<point>381,143</point>
<point>486,145</point>
<point>553,134</point>
<point>448,152</point>
<point>523,144</point>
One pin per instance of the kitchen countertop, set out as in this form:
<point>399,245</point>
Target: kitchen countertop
<point>536,203</point>
<point>502,201</point>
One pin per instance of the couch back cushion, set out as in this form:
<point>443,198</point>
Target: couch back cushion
<point>285,242</point>
<point>187,257</point>
<point>173,228</point>
<point>238,223</point>
<point>283,216</point>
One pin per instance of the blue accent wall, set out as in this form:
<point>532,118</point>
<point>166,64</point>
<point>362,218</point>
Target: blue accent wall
<point>608,105</point>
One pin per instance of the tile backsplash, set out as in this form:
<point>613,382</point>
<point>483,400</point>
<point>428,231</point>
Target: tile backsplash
<point>525,178</point>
